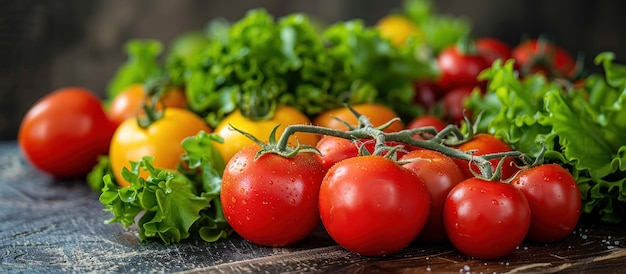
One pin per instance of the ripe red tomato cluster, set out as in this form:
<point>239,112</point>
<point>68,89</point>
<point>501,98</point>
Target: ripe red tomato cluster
<point>375,206</point>
<point>460,64</point>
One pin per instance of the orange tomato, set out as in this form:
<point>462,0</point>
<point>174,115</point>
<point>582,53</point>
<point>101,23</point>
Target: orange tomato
<point>378,114</point>
<point>162,140</point>
<point>284,116</point>
<point>128,102</point>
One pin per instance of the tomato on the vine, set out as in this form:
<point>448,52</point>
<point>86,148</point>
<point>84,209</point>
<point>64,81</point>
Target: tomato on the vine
<point>554,199</point>
<point>284,116</point>
<point>427,120</point>
<point>161,139</point>
<point>486,219</point>
<point>64,132</point>
<point>378,115</point>
<point>272,200</point>
<point>334,149</point>
<point>440,174</point>
<point>372,206</point>
<point>482,144</point>
<point>459,67</point>
<point>127,103</point>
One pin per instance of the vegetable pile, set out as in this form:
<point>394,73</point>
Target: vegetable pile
<point>385,135</point>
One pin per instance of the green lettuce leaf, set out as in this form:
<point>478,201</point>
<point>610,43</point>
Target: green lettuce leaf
<point>142,63</point>
<point>174,205</point>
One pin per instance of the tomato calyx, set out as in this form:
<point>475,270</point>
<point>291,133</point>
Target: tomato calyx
<point>274,147</point>
<point>153,104</point>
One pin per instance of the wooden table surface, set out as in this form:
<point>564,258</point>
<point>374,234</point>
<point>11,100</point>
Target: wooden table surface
<point>57,226</point>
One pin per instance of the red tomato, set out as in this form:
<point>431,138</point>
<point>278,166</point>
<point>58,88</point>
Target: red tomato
<point>539,55</point>
<point>454,110</point>
<point>426,94</point>
<point>334,149</point>
<point>440,174</point>
<point>486,219</point>
<point>492,48</point>
<point>459,68</point>
<point>64,132</point>
<point>372,206</point>
<point>377,114</point>
<point>482,144</point>
<point>426,120</point>
<point>272,200</point>
<point>554,199</point>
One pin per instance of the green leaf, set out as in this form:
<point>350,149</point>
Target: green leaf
<point>141,64</point>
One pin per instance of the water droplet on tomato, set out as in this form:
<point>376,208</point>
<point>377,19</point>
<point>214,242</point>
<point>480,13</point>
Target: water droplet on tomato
<point>233,199</point>
<point>244,202</point>
<point>495,202</point>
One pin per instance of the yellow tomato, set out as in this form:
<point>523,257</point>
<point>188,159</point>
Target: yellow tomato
<point>128,102</point>
<point>398,29</point>
<point>235,141</point>
<point>377,114</point>
<point>162,140</point>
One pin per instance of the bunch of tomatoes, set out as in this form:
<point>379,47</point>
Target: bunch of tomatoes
<point>377,198</point>
<point>460,65</point>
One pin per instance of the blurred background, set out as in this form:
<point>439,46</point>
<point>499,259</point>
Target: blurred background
<point>45,45</point>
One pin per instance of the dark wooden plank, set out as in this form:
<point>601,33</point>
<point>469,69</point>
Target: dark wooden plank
<point>51,226</point>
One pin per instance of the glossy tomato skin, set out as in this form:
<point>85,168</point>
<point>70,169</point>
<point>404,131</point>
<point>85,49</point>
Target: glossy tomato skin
<point>284,116</point>
<point>335,149</point>
<point>272,201</point>
<point>378,114</point>
<point>482,144</point>
<point>372,206</point>
<point>458,68</point>
<point>162,140</point>
<point>64,132</point>
<point>127,104</point>
<point>427,120</point>
<point>554,199</point>
<point>486,219</point>
<point>440,174</point>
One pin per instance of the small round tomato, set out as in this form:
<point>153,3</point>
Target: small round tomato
<point>426,94</point>
<point>440,174</point>
<point>272,200</point>
<point>128,102</point>
<point>378,115</point>
<point>482,144</point>
<point>486,219</point>
<point>427,120</point>
<point>459,68</point>
<point>372,206</point>
<point>540,55</point>
<point>161,139</point>
<point>454,110</point>
<point>284,116</point>
<point>492,49</point>
<point>64,132</point>
<point>398,29</point>
<point>334,149</point>
<point>554,199</point>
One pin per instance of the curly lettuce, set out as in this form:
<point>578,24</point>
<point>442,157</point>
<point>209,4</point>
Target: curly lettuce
<point>173,205</point>
<point>582,127</point>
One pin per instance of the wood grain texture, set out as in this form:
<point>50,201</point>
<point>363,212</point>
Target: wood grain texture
<point>51,226</point>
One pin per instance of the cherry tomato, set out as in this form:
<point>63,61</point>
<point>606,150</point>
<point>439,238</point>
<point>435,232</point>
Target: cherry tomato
<point>284,116</point>
<point>162,140</point>
<point>486,219</point>
<point>540,55</point>
<point>482,144</point>
<point>554,199</point>
<point>492,48</point>
<point>459,68</point>
<point>127,103</point>
<point>65,131</point>
<point>427,120</point>
<point>372,206</point>
<point>454,110</point>
<point>440,174</point>
<point>334,149</point>
<point>426,94</point>
<point>398,29</point>
<point>272,200</point>
<point>377,114</point>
